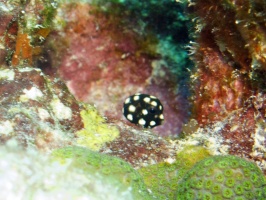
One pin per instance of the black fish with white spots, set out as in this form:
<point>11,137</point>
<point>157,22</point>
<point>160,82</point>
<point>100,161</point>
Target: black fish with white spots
<point>143,109</point>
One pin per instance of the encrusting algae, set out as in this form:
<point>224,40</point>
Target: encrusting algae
<point>96,131</point>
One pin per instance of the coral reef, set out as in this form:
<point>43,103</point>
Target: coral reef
<point>39,111</point>
<point>93,162</point>
<point>107,51</point>
<point>222,177</point>
<point>37,108</point>
<point>229,53</point>
<point>32,175</point>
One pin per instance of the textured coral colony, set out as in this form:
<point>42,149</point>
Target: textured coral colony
<point>69,67</point>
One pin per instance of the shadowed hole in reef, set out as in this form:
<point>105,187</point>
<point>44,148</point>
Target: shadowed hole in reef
<point>172,25</point>
<point>258,77</point>
<point>44,62</point>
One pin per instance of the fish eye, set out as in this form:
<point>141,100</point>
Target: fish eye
<point>152,110</point>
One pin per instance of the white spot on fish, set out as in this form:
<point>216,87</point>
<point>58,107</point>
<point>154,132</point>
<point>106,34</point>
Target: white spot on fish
<point>144,112</point>
<point>132,108</point>
<point>142,122</point>
<point>136,97</point>
<point>130,117</point>
<point>147,99</point>
<point>127,100</point>
<point>154,103</point>
<point>152,123</point>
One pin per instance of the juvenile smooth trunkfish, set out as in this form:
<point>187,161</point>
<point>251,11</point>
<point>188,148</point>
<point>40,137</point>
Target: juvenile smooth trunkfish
<point>143,109</point>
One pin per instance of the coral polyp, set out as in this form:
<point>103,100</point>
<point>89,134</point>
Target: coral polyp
<point>222,177</point>
<point>109,166</point>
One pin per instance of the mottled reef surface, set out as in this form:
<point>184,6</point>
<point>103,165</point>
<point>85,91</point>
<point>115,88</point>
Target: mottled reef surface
<point>66,67</point>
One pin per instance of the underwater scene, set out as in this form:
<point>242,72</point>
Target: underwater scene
<point>133,100</point>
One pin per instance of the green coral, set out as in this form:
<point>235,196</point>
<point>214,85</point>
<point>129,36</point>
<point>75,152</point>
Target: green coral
<point>109,166</point>
<point>222,177</point>
<point>30,174</point>
<point>96,132</point>
<point>163,178</point>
